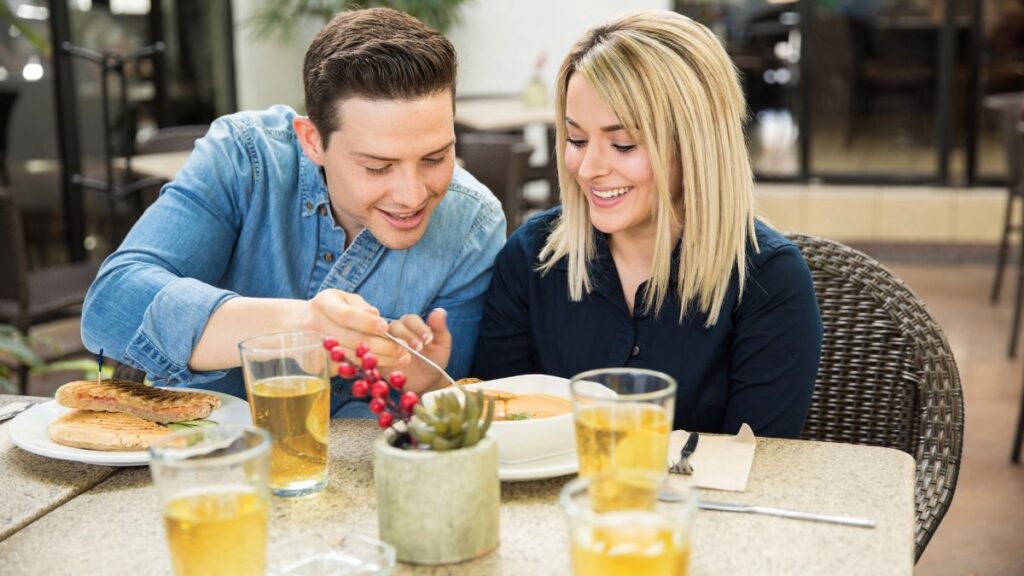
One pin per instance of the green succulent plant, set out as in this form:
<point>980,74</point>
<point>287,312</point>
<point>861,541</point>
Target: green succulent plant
<point>452,424</point>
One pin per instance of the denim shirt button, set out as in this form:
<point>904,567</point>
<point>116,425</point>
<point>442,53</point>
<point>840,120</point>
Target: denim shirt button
<point>328,257</point>
<point>636,351</point>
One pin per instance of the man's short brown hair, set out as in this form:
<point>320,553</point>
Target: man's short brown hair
<point>377,53</point>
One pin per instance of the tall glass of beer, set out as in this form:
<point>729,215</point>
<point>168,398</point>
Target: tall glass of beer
<point>286,378</point>
<point>212,483</point>
<point>623,418</point>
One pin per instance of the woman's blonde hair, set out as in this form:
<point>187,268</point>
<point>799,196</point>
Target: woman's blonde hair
<point>673,87</point>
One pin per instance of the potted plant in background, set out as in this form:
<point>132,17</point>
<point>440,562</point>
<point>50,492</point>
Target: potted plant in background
<point>281,17</point>
<point>435,469</point>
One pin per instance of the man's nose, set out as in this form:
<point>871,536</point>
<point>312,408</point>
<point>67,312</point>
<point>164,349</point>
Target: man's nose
<point>410,189</point>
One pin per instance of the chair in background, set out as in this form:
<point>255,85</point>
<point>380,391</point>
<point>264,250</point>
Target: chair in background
<point>28,298</point>
<point>172,139</point>
<point>1008,109</point>
<point>500,162</point>
<point>887,376</point>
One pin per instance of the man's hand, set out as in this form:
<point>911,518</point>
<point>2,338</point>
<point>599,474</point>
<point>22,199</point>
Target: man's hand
<point>430,338</point>
<point>352,321</point>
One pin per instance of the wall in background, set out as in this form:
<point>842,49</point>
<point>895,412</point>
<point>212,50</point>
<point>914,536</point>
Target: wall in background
<point>499,42</point>
<point>498,45</point>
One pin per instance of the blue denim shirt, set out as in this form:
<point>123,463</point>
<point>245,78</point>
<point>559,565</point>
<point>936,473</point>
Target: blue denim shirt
<point>249,215</point>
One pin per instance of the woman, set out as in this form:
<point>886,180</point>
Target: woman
<point>655,260</point>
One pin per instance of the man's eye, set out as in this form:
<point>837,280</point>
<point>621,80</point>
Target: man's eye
<point>378,171</point>
<point>576,143</point>
<point>433,161</point>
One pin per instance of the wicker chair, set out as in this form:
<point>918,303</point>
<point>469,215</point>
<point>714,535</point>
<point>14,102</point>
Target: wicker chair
<point>887,376</point>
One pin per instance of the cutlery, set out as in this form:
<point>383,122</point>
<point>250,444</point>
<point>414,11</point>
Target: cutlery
<point>13,409</point>
<point>683,466</point>
<point>402,343</point>
<point>770,511</point>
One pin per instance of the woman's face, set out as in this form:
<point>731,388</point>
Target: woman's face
<point>611,168</point>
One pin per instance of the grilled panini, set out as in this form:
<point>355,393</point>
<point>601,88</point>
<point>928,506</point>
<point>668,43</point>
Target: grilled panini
<point>146,402</point>
<point>116,432</point>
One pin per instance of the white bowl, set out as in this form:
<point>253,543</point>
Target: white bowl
<point>528,441</point>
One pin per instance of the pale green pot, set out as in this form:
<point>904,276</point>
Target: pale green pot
<point>437,507</point>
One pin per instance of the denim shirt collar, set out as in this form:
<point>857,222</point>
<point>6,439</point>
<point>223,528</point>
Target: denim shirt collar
<point>312,187</point>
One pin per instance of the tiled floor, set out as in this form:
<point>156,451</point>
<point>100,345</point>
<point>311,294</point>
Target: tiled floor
<point>981,534</point>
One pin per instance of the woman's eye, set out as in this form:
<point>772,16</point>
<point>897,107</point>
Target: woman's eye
<point>433,161</point>
<point>576,143</point>
<point>377,171</point>
<point>624,148</point>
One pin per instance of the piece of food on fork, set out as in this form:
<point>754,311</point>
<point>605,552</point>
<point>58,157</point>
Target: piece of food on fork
<point>153,404</point>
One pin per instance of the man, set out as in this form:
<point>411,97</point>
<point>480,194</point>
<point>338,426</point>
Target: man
<point>353,221</point>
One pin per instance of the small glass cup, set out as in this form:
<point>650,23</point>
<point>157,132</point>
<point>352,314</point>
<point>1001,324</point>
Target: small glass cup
<point>623,419</point>
<point>289,389</point>
<point>618,526</point>
<point>213,490</point>
<point>332,554</point>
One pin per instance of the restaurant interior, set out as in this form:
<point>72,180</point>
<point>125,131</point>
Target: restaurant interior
<point>892,128</point>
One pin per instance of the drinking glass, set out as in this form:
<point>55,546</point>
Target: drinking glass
<point>617,525</point>
<point>286,378</point>
<point>623,419</point>
<point>331,553</point>
<point>212,483</point>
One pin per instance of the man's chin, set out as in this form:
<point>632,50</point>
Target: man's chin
<point>397,239</point>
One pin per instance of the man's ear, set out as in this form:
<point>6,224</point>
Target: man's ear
<point>309,139</point>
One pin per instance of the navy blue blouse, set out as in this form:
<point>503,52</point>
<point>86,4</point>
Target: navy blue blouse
<point>757,364</point>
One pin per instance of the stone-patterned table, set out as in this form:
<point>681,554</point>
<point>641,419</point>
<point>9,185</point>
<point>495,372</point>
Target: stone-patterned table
<point>115,528</point>
<point>31,486</point>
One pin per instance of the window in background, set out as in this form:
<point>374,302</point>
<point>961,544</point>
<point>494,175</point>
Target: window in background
<point>1001,71</point>
<point>876,85</point>
<point>763,39</point>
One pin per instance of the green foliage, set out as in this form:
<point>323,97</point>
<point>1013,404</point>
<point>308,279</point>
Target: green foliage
<point>16,346</point>
<point>37,40</point>
<point>281,17</point>
<point>451,424</point>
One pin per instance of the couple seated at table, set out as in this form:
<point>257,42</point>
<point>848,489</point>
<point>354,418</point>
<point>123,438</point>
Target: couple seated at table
<point>354,221</point>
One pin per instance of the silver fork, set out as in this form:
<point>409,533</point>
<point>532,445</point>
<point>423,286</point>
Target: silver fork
<point>403,344</point>
<point>683,466</point>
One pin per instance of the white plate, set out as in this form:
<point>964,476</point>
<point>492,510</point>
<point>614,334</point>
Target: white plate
<point>550,468</point>
<point>28,431</point>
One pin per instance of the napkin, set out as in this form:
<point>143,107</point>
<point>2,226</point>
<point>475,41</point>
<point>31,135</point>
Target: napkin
<point>720,462</point>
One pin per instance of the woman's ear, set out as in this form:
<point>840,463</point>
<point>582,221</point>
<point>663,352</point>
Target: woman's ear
<point>309,139</point>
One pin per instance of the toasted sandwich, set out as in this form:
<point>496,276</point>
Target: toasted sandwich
<point>111,431</point>
<point>146,402</point>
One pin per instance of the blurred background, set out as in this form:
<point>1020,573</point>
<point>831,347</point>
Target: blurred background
<point>889,125</point>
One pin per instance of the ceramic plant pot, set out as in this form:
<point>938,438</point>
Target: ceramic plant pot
<point>437,507</point>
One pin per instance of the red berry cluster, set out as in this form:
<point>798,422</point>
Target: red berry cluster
<point>370,382</point>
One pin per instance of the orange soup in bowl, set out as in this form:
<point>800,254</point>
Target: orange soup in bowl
<point>509,406</point>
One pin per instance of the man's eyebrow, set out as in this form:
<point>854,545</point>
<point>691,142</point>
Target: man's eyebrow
<point>386,159</point>
<point>612,128</point>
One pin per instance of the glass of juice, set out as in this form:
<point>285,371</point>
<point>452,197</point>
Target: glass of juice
<point>286,378</point>
<point>617,525</point>
<point>212,483</point>
<point>623,418</point>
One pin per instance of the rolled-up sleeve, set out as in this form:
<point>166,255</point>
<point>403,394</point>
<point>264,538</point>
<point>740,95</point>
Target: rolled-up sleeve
<point>153,297</point>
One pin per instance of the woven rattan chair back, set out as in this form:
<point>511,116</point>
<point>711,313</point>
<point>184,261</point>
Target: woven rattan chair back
<point>887,375</point>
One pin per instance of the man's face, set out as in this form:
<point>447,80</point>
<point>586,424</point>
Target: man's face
<point>389,165</point>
